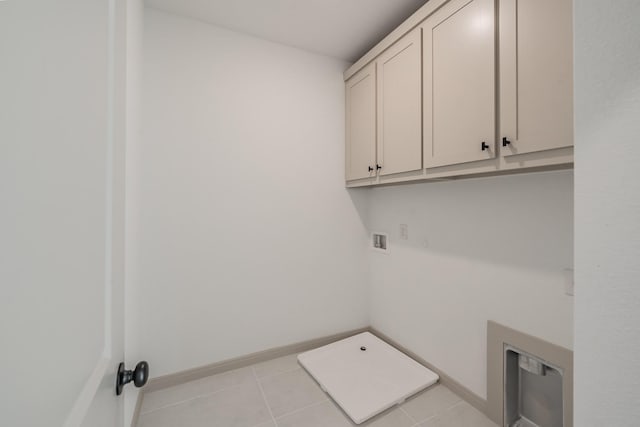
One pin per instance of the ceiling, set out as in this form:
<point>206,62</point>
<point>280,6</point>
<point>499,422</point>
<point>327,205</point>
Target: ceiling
<point>344,29</point>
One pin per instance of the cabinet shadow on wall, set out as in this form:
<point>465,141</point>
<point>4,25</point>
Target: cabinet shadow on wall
<point>524,221</point>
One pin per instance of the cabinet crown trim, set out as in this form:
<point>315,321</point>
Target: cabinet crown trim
<point>407,26</point>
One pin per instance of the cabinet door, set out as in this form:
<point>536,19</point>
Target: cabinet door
<point>459,83</point>
<point>400,106</point>
<point>536,75</point>
<point>361,124</point>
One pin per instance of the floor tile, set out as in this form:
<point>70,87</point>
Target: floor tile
<point>329,414</point>
<point>430,402</point>
<point>277,366</point>
<point>236,399</point>
<point>290,391</point>
<point>461,415</point>
<point>240,406</point>
<point>393,417</point>
<point>325,414</point>
<point>193,389</point>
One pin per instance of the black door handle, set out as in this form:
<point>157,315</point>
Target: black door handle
<point>378,167</point>
<point>139,376</point>
<point>370,168</point>
<point>484,146</point>
<point>505,142</point>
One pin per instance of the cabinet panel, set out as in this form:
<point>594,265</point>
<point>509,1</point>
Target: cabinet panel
<point>400,106</point>
<point>360,156</point>
<point>536,72</point>
<point>459,89</point>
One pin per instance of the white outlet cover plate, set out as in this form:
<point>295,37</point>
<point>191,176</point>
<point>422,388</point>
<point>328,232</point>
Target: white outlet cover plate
<point>366,382</point>
<point>404,231</point>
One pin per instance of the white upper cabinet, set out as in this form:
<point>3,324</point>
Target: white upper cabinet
<point>400,106</point>
<point>536,75</point>
<point>459,83</point>
<point>361,124</point>
<point>464,87</point>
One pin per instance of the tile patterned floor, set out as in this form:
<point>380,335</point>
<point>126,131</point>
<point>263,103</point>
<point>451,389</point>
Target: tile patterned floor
<point>279,393</point>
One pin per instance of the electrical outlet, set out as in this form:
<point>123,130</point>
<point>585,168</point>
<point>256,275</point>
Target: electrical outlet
<point>404,232</point>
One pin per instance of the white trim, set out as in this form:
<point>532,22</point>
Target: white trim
<point>85,399</point>
<point>111,135</point>
<point>406,27</point>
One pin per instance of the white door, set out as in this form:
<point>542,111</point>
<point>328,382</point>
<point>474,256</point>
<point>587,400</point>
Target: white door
<point>61,215</point>
<point>360,155</point>
<point>536,75</point>
<point>459,83</point>
<point>400,106</point>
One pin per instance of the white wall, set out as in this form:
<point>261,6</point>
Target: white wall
<point>607,125</point>
<point>241,234</point>
<point>495,249</point>
<point>242,237</point>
